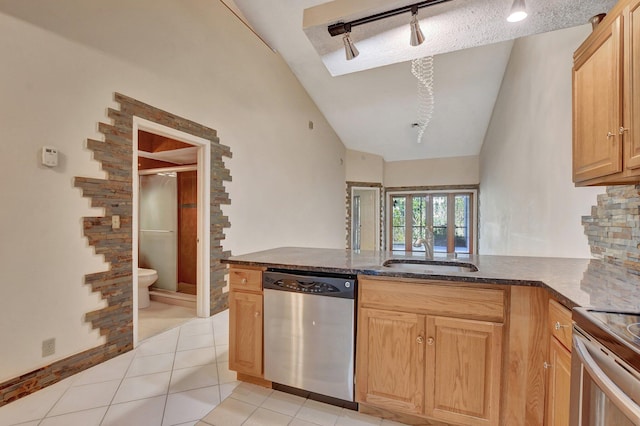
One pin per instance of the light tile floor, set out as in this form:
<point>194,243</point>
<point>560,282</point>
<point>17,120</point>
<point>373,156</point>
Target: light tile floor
<point>178,377</point>
<point>159,317</point>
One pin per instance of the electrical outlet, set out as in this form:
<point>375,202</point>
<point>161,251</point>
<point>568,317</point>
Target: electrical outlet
<point>48,347</point>
<point>115,222</point>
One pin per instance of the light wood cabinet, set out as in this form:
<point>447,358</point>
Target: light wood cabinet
<point>394,366</point>
<point>558,366</point>
<point>463,370</point>
<point>559,385</point>
<point>606,88</point>
<point>245,321</point>
<point>418,358</point>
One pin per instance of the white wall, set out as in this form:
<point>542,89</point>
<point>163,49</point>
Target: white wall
<point>528,203</point>
<point>191,58</point>
<point>433,172</point>
<point>364,167</point>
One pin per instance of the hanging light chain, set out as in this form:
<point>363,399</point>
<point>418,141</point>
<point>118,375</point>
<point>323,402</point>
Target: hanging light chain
<point>422,69</point>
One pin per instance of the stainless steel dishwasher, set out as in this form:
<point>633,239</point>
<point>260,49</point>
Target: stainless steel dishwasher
<point>309,331</point>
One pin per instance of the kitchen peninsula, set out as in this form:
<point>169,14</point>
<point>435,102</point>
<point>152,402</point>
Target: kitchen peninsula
<point>469,347</point>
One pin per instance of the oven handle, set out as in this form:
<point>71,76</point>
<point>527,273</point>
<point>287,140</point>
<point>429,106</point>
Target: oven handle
<point>606,385</point>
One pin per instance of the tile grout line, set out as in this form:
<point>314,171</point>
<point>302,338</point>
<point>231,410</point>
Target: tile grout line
<point>173,363</point>
<point>134,352</point>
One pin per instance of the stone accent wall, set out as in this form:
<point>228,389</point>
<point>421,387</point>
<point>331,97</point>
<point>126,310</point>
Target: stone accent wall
<point>115,195</point>
<point>613,228</point>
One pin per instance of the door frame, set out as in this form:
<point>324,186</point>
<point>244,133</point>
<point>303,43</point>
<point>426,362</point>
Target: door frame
<point>203,296</point>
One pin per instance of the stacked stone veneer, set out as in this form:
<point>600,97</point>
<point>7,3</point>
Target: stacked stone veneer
<point>114,194</point>
<point>613,229</point>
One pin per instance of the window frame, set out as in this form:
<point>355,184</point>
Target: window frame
<point>422,191</point>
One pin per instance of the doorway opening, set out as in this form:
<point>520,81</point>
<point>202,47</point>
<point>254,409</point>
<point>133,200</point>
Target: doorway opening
<point>170,211</point>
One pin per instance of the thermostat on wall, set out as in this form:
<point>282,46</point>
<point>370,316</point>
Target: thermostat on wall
<point>49,156</point>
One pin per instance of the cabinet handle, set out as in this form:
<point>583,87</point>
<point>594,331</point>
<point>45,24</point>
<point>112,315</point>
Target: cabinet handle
<point>256,314</point>
<point>558,326</point>
<point>622,130</point>
<point>243,281</point>
<point>610,135</point>
<point>420,339</point>
<point>546,365</point>
<point>430,341</point>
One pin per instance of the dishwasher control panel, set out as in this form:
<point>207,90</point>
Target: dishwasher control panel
<point>333,286</point>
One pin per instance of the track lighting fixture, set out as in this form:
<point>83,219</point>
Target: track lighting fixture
<point>417,38</point>
<point>518,11</point>
<point>350,49</point>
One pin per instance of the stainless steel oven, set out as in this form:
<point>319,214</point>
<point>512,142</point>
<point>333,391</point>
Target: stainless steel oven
<point>309,329</point>
<point>605,369</point>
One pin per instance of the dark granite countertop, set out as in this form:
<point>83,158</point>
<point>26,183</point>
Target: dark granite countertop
<point>574,282</point>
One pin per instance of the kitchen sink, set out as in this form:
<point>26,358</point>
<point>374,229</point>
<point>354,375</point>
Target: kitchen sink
<point>428,266</point>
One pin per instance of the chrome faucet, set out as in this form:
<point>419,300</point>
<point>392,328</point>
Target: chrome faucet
<point>427,242</point>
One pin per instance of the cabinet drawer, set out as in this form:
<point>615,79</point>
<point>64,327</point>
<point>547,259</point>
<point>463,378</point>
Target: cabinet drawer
<point>245,279</point>
<point>437,297</point>
<point>560,323</point>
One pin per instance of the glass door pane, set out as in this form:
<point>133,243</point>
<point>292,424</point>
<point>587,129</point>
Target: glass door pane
<point>419,220</point>
<point>440,223</point>
<point>158,242</point>
<point>398,233</point>
<point>462,206</point>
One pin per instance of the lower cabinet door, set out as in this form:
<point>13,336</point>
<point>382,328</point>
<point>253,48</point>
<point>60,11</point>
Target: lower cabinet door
<point>559,385</point>
<point>390,361</point>
<point>463,370</point>
<point>245,333</point>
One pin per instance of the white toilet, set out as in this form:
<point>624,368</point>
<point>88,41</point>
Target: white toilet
<point>146,277</point>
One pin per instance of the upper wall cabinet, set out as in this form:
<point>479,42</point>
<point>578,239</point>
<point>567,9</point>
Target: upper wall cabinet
<point>606,101</point>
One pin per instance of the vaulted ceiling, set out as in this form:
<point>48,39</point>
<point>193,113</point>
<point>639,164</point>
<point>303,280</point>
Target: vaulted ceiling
<point>372,101</point>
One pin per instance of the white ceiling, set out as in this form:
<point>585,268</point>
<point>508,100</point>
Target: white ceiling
<point>372,107</point>
<point>371,110</point>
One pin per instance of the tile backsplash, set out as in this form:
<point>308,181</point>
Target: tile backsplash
<point>613,228</point>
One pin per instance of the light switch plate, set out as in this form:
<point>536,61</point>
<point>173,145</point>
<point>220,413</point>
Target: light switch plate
<point>115,221</point>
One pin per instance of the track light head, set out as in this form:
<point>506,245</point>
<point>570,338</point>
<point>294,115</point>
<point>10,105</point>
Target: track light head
<point>518,11</point>
<point>417,38</point>
<point>350,49</point>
